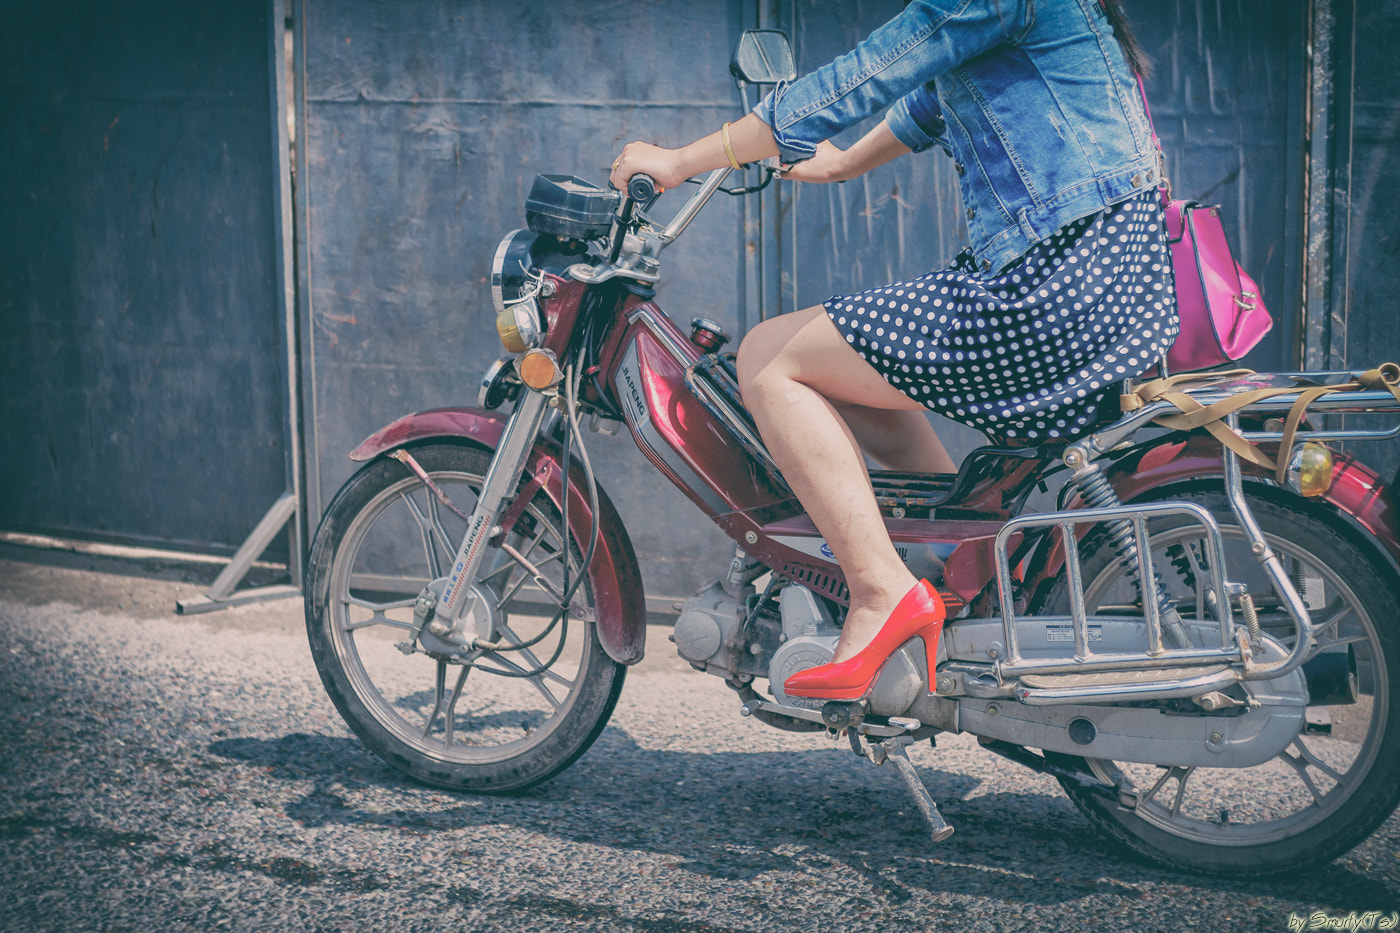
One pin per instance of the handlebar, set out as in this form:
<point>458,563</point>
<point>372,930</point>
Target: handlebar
<point>641,188</point>
<point>634,265</point>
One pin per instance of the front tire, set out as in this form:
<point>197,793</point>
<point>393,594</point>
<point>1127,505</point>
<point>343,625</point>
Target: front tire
<point>1336,782</point>
<point>504,720</point>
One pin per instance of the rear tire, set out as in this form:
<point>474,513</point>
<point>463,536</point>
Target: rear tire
<point>1333,786</point>
<point>460,726</point>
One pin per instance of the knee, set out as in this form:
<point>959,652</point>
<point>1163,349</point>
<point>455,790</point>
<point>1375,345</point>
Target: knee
<point>749,362</point>
<point>760,355</point>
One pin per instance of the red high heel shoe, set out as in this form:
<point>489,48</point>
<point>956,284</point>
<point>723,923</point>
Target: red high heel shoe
<point>919,614</point>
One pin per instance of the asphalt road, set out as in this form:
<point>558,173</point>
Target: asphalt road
<point>161,772</point>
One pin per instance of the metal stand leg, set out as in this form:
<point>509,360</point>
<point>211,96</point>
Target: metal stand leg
<point>221,593</point>
<point>893,750</point>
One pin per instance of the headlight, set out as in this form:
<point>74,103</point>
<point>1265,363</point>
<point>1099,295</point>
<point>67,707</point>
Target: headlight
<point>518,326</point>
<point>518,321</point>
<point>510,269</point>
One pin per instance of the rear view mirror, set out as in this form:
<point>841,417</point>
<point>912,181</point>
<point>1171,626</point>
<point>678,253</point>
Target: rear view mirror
<point>763,56</point>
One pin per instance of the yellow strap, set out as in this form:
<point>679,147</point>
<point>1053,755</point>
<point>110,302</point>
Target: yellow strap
<point>1195,415</point>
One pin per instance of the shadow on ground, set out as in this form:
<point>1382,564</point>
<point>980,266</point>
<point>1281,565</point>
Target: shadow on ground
<point>735,816</point>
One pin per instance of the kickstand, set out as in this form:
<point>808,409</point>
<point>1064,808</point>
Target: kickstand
<point>893,750</point>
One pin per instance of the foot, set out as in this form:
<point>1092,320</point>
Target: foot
<point>918,615</point>
<point>863,622</point>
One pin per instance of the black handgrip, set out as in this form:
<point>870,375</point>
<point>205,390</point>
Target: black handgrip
<point>641,188</point>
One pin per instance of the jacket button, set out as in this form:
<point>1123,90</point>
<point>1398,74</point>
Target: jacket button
<point>971,213</point>
<point>986,265</point>
<point>1137,181</point>
<point>959,167</point>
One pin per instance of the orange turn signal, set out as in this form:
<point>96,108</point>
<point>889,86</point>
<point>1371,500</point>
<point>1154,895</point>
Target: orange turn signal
<point>538,369</point>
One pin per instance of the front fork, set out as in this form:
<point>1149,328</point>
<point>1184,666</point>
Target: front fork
<point>502,477</point>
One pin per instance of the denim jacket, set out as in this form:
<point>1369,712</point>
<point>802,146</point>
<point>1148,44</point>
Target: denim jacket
<point>1033,99</point>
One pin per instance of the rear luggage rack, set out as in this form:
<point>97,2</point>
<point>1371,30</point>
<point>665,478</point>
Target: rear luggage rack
<point>1155,672</point>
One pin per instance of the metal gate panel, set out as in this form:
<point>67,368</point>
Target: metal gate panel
<point>424,123</point>
<point>141,397</point>
<point>423,126</point>
<point>1353,324</point>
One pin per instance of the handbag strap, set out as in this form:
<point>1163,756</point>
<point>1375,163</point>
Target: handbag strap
<point>1166,185</point>
<point>1211,417</point>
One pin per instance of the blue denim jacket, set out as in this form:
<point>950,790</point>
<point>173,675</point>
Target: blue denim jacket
<point>1033,99</point>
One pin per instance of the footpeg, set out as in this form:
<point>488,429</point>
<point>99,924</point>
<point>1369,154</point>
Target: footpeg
<point>893,750</point>
<point>840,714</point>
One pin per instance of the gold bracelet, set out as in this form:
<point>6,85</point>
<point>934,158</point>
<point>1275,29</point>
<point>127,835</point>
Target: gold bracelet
<point>728,149</point>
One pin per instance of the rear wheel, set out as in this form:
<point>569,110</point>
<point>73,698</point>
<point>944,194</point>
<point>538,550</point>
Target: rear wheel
<point>1336,782</point>
<point>491,721</point>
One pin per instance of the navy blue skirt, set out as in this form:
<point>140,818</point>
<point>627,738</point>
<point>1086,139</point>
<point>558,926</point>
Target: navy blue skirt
<point>1027,353</point>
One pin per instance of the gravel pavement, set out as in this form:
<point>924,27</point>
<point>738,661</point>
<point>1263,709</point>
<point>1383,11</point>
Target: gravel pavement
<point>164,772</point>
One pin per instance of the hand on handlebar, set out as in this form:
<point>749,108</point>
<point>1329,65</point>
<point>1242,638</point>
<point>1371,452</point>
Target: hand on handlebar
<point>638,157</point>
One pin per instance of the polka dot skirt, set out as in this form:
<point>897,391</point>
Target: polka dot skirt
<point>1027,353</point>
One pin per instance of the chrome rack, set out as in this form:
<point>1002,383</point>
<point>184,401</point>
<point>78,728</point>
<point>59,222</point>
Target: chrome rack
<point>1156,672</point>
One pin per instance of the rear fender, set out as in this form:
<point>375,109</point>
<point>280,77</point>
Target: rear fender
<point>613,574</point>
<point>1178,464</point>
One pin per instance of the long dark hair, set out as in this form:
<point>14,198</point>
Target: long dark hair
<point>1137,58</point>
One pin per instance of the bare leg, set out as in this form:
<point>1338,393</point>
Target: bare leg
<point>897,439</point>
<point>791,369</point>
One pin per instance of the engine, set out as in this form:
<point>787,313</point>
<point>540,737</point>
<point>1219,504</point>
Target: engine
<point>711,633</point>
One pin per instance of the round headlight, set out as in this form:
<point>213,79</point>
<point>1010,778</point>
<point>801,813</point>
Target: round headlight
<point>510,269</point>
<point>518,326</point>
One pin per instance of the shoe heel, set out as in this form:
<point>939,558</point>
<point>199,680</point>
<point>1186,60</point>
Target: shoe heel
<point>932,632</point>
<point>929,636</point>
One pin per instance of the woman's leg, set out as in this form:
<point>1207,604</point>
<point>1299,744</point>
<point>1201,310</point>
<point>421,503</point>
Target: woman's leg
<point>897,439</point>
<point>791,370</point>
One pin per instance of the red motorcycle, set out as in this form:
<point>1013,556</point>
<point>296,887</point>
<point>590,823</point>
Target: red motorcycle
<point>1201,655</point>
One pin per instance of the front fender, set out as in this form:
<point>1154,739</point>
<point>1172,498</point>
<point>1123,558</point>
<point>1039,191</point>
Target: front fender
<point>616,579</point>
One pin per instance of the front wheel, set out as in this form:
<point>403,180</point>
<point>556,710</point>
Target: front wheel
<point>1335,783</point>
<point>490,721</point>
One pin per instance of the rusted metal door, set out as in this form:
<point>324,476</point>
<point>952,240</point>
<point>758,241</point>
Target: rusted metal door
<point>142,389</point>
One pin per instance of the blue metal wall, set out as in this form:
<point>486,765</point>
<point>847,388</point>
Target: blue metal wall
<point>1351,315</point>
<point>141,389</point>
<point>423,127</point>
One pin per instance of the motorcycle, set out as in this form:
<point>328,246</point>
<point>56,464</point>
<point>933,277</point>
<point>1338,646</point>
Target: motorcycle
<point>1202,654</point>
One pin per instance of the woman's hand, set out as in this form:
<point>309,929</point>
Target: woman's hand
<point>663,165</point>
<point>829,164</point>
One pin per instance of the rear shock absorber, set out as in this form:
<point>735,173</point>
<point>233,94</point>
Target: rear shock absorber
<point>1099,493</point>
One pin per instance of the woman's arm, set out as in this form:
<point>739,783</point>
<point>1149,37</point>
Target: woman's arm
<point>750,139</point>
<point>832,164</point>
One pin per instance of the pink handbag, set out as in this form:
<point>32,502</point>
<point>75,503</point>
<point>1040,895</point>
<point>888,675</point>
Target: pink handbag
<point>1222,316</point>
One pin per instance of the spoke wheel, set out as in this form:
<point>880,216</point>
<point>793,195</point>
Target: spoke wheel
<point>1335,783</point>
<point>492,721</point>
